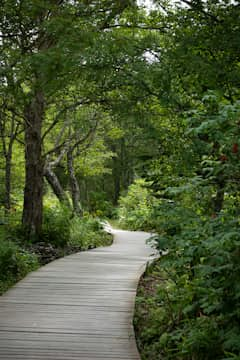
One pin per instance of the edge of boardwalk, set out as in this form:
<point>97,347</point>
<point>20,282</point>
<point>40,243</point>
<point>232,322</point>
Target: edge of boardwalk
<point>77,307</point>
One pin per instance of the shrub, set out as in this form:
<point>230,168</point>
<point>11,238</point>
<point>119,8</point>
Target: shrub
<point>56,226</point>
<point>15,263</point>
<point>193,312</point>
<point>99,205</point>
<point>87,233</point>
<point>135,209</point>
<point>62,234</point>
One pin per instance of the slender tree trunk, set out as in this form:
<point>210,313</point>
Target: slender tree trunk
<point>34,166</point>
<point>8,169</point>
<point>7,152</point>
<point>55,185</point>
<point>75,191</point>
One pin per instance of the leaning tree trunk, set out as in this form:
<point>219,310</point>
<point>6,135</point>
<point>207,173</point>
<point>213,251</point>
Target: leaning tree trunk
<point>75,191</point>
<point>34,166</point>
<point>54,182</point>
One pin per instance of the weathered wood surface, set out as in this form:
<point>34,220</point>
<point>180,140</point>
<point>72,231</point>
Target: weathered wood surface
<point>78,307</point>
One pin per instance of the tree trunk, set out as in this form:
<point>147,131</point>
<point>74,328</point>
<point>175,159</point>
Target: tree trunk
<point>34,166</point>
<point>8,168</point>
<point>75,191</point>
<point>7,152</point>
<point>55,185</point>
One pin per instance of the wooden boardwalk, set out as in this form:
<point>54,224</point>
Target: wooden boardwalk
<point>77,307</point>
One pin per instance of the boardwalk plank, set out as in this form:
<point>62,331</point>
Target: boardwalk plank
<point>78,307</point>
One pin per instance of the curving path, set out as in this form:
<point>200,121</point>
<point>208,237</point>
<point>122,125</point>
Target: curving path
<point>77,307</point>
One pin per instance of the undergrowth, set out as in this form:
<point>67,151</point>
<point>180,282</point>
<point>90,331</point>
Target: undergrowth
<point>188,302</point>
<point>62,234</point>
<point>187,306</point>
<point>15,263</point>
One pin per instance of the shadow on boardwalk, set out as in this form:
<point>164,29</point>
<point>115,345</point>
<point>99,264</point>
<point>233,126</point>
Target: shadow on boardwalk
<point>78,307</point>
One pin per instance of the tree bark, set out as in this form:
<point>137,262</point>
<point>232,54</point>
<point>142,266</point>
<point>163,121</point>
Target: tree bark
<point>34,166</point>
<point>8,169</point>
<point>54,182</point>
<point>7,152</point>
<point>74,186</point>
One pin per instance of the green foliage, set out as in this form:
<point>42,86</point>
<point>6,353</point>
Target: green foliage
<point>15,263</point>
<point>135,209</point>
<point>193,311</point>
<point>175,92</point>
<point>99,205</point>
<point>87,233</point>
<point>72,233</point>
<point>93,162</point>
<point>55,230</point>
<point>62,234</point>
<point>56,226</point>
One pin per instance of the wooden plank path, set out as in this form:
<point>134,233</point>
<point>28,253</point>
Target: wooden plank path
<point>77,307</point>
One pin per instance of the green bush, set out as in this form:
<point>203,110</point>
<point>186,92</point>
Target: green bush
<point>99,205</point>
<point>87,233</point>
<point>15,263</point>
<point>62,234</point>
<point>62,229</point>
<point>193,312</point>
<point>56,226</point>
<point>135,209</point>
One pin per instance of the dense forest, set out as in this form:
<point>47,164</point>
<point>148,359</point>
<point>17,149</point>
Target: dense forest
<point>129,111</point>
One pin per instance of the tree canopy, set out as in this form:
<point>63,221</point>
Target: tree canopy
<point>112,103</point>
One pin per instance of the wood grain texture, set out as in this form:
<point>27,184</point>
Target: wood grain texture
<point>77,307</point>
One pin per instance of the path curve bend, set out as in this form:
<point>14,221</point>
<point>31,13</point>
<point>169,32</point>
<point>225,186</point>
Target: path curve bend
<point>78,307</point>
